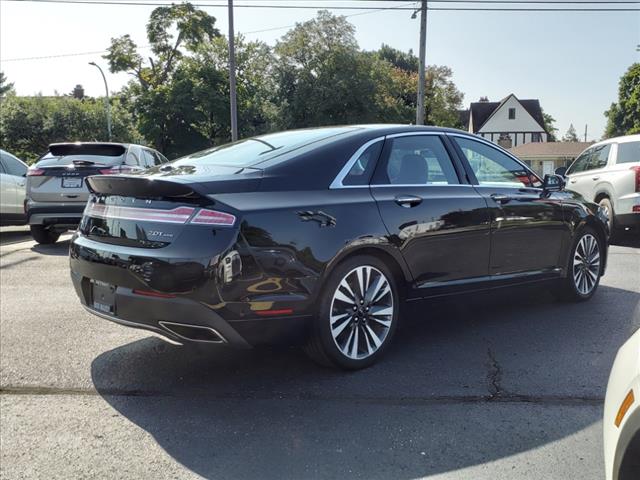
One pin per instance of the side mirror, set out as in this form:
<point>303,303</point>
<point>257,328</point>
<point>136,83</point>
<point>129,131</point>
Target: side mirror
<point>562,171</point>
<point>553,183</point>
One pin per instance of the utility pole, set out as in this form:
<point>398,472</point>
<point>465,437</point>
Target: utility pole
<point>585,132</point>
<point>422,66</point>
<point>232,77</point>
<point>107,103</point>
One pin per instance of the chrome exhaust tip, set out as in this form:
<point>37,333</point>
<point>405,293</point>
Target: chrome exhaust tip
<point>194,333</point>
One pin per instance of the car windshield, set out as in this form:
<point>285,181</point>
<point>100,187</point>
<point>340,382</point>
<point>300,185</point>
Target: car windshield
<point>251,151</point>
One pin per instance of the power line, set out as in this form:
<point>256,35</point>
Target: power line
<point>354,7</point>
<point>170,2</point>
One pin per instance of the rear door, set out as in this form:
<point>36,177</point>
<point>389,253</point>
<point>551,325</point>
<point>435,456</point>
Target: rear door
<point>527,227</point>
<point>439,222</point>
<point>13,183</point>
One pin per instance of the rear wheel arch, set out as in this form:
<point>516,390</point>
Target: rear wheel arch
<point>395,263</point>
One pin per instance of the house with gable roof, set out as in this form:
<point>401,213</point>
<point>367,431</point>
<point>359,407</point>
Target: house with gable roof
<point>509,123</point>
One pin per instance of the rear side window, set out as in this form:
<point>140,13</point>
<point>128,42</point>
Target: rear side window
<point>149,158</point>
<point>13,166</point>
<point>418,160</point>
<point>628,152</point>
<point>362,169</point>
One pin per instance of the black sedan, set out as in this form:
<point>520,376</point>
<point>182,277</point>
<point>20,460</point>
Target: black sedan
<point>318,236</point>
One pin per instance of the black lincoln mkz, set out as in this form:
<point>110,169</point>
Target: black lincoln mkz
<point>319,235</point>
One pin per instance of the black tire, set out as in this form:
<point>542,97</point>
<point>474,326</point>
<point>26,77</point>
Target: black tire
<point>323,348</point>
<point>570,288</point>
<point>44,235</point>
<point>606,204</point>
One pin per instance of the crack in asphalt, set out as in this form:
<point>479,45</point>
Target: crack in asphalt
<point>558,400</point>
<point>494,376</point>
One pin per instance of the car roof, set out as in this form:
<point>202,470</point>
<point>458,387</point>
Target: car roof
<point>623,139</point>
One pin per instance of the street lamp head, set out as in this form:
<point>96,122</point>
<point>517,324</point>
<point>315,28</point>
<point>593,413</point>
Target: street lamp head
<point>93,63</point>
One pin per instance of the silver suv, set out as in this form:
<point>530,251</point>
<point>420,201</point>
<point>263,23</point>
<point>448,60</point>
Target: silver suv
<point>56,190</point>
<point>608,173</point>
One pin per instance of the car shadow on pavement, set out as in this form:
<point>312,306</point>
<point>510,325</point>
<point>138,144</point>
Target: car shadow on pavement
<point>60,248</point>
<point>465,383</point>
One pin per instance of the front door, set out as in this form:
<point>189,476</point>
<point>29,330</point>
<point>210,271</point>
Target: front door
<point>440,224</point>
<point>527,228</point>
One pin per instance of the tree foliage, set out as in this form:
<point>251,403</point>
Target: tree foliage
<point>29,124</point>
<point>571,135</point>
<point>5,87</point>
<point>623,117</point>
<point>550,126</point>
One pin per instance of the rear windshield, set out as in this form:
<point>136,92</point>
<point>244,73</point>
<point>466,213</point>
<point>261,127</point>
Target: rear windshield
<point>251,151</point>
<point>50,160</point>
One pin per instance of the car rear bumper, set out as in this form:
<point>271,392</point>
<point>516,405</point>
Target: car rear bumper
<point>628,220</point>
<point>67,213</point>
<point>180,298</point>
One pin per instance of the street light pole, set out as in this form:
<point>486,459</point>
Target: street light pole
<point>422,66</point>
<point>232,77</point>
<point>107,104</point>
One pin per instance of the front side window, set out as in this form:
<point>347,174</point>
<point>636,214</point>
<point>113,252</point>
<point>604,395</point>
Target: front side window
<point>362,169</point>
<point>580,164</point>
<point>628,152</point>
<point>599,157</point>
<point>494,168</point>
<point>418,160</point>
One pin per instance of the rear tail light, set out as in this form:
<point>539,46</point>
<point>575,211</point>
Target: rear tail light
<point>637,170</point>
<point>212,217</point>
<point>178,215</point>
<point>35,172</point>
<point>118,169</point>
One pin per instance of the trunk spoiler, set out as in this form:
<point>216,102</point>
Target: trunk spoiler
<point>140,187</point>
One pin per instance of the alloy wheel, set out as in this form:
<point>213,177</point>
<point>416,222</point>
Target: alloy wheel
<point>362,312</point>
<point>586,264</point>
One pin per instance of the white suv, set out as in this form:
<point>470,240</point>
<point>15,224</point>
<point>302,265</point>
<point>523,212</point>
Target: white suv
<point>608,173</point>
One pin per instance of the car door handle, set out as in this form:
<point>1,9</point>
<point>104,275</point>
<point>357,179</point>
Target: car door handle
<point>408,201</point>
<point>572,181</point>
<point>500,197</point>
<point>595,178</point>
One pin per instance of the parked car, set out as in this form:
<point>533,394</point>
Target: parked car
<point>56,190</point>
<point>12,190</point>
<point>622,414</point>
<point>320,235</point>
<point>608,173</point>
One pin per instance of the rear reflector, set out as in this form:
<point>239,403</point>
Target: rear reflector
<point>148,293</point>
<point>35,172</point>
<point>178,215</point>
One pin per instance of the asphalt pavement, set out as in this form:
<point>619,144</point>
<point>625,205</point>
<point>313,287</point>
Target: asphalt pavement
<point>503,385</point>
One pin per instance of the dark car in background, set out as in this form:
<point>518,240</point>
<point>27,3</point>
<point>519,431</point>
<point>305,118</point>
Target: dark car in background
<point>56,190</point>
<point>319,236</point>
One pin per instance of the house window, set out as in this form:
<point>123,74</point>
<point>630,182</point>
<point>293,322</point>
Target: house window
<point>536,137</point>
<point>512,114</point>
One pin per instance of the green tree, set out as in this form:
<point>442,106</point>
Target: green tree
<point>571,135</point>
<point>29,124</point>
<point>5,87</point>
<point>322,77</point>
<point>623,118</point>
<point>162,96</point>
<point>550,126</point>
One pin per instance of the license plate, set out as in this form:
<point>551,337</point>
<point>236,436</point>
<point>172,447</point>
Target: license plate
<point>103,297</point>
<point>71,182</point>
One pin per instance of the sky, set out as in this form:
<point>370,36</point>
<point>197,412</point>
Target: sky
<point>570,61</point>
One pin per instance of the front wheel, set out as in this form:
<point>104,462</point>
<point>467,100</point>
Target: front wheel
<point>357,316</point>
<point>584,267</point>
